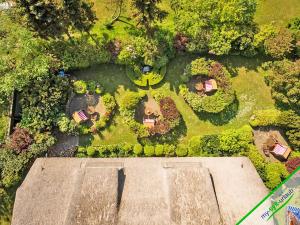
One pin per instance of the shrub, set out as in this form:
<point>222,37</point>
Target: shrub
<point>138,149</point>
<point>281,45</point>
<point>109,102</point>
<point>210,144</point>
<point>181,150</point>
<point>65,125</point>
<point>169,150</point>
<point>267,117</point>
<point>218,101</point>
<point>90,151</point>
<point>149,150</point>
<point>194,146</point>
<point>91,86</point>
<point>81,149</point>
<point>168,109</point>
<point>159,150</point>
<point>292,164</point>
<point>258,161</point>
<point>180,42</point>
<point>80,87</point>
<point>20,140</point>
<point>199,67</point>
<point>275,174</point>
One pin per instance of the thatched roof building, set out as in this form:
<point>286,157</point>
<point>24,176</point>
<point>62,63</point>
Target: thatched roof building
<point>137,191</point>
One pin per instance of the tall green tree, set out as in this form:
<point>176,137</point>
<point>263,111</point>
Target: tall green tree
<point>44,17</point>
<point>147,13</point>
<point>218,26</point>
<point>80,14</point>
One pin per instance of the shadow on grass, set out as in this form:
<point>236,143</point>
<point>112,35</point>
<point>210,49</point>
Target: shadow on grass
<point>172,137</point>
<point>223,117</point>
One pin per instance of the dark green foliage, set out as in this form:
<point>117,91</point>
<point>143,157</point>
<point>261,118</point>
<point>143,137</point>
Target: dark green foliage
<point>79,53</point>
<point>44,17</point>
<point>283,77</point>
<point>23,57</point>
<point>65,125</point>
<point>42,102</point>
<point>80,14</point>
<point>147,12</point>
<point>216,26</point>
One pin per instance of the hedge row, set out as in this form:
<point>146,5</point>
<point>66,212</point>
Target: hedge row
<point>228,143</point>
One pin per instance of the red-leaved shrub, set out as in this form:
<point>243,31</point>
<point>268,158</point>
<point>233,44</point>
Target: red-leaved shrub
<point>168,109</point>
<point>20,140</point>
<point>292,164</point>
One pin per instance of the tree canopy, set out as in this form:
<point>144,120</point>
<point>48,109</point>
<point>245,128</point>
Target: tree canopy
<point>216,25</point>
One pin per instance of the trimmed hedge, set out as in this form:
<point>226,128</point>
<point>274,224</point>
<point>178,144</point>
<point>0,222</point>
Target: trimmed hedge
<point>143,80</point>
<point>216,102</point>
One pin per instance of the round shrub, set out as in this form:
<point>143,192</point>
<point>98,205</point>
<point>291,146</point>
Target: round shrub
<point>81,149</point>
<point>169,150</point>
<point>181,150</point>
<point>90,151</point>
<point>91,86</point>
<point>159,150</point>
<point>138,149</point>
<point>213,102</point>
<point>80,87</point>
<point>149,150</point>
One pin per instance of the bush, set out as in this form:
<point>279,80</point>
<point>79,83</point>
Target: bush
<point>159,150</point>
<point>20,140</point>
<point>275,174</point>
<point>194,146</point>
<point>281,45</point>
<point>181,150</point>
<point>169,150</point>
<point>138,149</point>
<point>267,117</point>
<point>218,101</point>
<point>90,151</point>
<point>149,150</point>
<point>168,109</point>
<point>145,79</point>
<point>109,102</point>
<point>292,164</point>
<point>258,161</point>
<point>80,87</point>
<point>79,52</point>
<point>65,125</point>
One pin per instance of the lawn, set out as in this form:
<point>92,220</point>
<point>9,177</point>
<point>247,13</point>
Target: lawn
<point>278,12</point>
<point>252,93</point>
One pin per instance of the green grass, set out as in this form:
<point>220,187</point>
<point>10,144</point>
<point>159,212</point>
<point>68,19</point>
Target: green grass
<point>278,12</point>
<point>252,93</point>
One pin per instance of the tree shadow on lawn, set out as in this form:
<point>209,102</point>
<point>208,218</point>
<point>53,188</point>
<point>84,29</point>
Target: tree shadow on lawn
<point>223,117</point>
<point>172,137</point>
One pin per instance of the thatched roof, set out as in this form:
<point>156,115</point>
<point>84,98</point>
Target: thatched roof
<point>137,191</point>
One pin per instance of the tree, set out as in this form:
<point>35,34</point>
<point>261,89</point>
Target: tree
<point>23,57</point>
<point>20,140</point>
<point>218,26</point>
<point>147,12</point>
<point>44,17</point>
<point>80,14</point>
<point>281,45</point>
<point>283,77</point>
